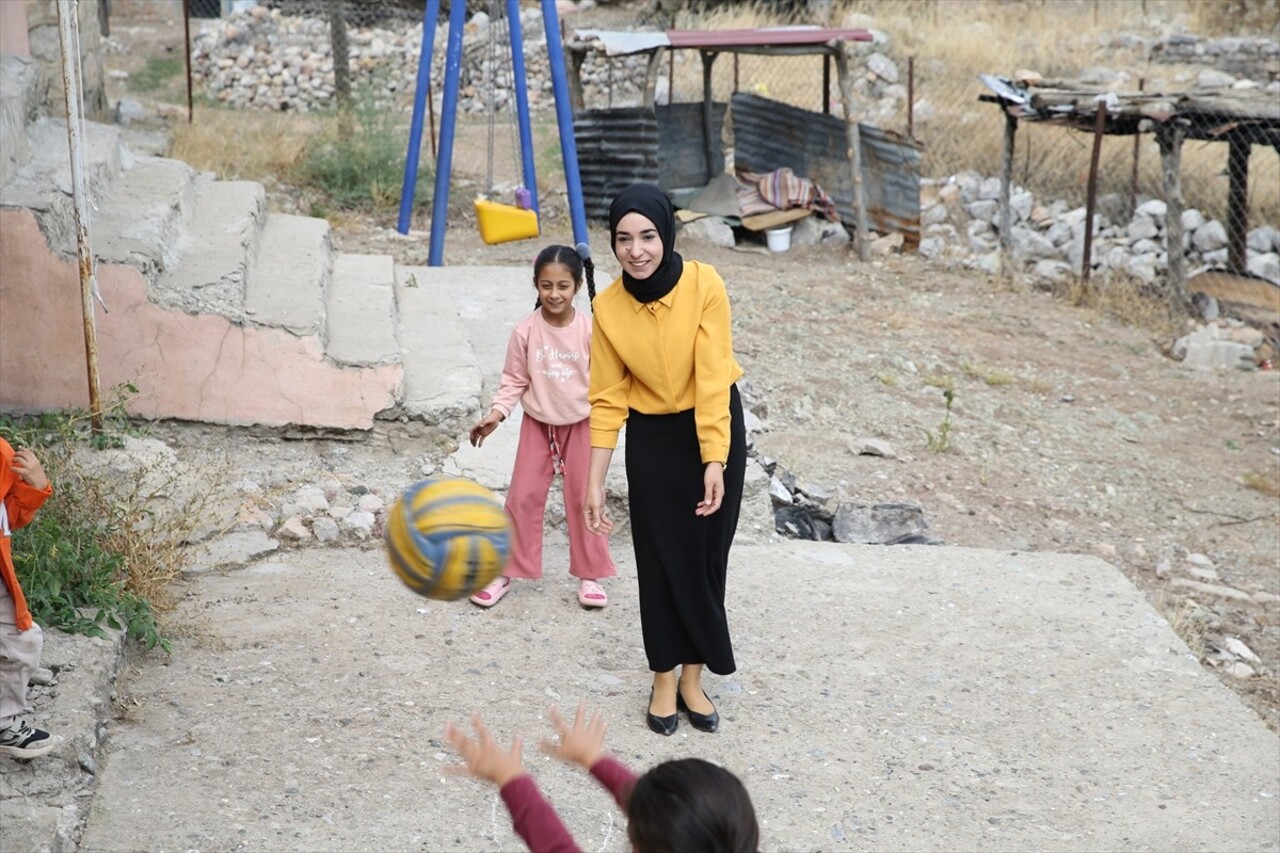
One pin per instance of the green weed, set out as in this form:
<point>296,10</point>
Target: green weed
<point>156,74</point>
<point>357,160</point>
<point>940,442</point>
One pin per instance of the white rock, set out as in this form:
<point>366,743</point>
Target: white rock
<point>931,248</point>
<point>1142,228</point>
<point>1216,590</point>
<point>1240,650</point>
<point>312,499</point>
<point>989,189</point>
<point>1153,208</point>
<point>711,229</point>
<point>370,503</point>
<point>778,493</point>
<point>1266,266</point>
<point>1203,574</point>
<point>1199,560</point>
<point>1264,239</point>
<point>1192,219</point>
<point>1240,669</point>
<point>359,524</point>
<point>1210,236</point>
<point>293,529</point>
<point>1212,78</point>
<point>883,67</point>
<point>874,447</point>
<point>325,530</point>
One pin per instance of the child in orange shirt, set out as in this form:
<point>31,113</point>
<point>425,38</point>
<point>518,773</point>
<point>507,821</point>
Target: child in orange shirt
<point>23,489</point>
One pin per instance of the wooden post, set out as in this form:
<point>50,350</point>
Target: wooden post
<point>1006,187</point>
<point>1137,151</point>
<point>853,139</point>
<point>577,55</point>
<point>671,77</point>
<point>341,57</point>
<point>826,84</point>
<point>1169,137</point>
<point>651,77</point>
<point>708,111</point>
<point>1091,197</point>
<point>186,52</point>
<point>1238,204</point>
<point>911,97</point>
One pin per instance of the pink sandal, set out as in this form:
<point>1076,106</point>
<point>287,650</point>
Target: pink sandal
<point>492,593</point>
<point>591,594</point>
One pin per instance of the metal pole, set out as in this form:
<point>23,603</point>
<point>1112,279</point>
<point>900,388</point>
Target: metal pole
<point>708,105</point>
<point>911,97</point>
<point>521,86</point>
<point>1238,203</point>
<point>421,93</point>
<point>68,35</point>
<point>564,120</point>
<point>186,51</point>
<point>826,84</point>
<point>1091,199</point>
<point>1006,189</point>
<point>448,122</point>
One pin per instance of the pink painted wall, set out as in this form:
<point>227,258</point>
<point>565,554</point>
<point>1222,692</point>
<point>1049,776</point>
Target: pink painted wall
<point>13,28</point>
<point>191,367</point>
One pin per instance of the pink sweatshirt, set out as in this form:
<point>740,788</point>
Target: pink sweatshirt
<point>547,369</point>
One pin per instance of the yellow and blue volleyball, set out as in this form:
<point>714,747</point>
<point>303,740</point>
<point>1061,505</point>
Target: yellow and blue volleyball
<point>447,537</point>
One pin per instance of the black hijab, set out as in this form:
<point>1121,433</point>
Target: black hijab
<point>653,204</point>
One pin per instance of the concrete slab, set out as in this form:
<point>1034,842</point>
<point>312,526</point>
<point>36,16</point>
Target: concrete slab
<point>442,379</point>
<point>220,244</point>
<point>143,221</point>
<point>290,275</point>
<point>887,698</point>
<point>360,311</point>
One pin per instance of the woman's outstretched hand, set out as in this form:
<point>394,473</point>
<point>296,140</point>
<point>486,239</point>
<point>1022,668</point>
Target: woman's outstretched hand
<point>597,515</point>
<point>485,758</point>
<point>712,489</point>
<point>583,742</point>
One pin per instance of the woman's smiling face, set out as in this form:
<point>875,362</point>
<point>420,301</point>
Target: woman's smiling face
<point>637,245</point>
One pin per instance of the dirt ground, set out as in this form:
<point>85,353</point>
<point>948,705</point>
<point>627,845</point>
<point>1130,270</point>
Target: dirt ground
<point>1069,430</point>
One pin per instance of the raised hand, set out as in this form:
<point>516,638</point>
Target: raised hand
<point>583,742</point>
<point>485,758</point>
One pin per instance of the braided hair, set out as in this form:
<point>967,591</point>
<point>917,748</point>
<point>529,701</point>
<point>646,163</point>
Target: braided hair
<point>577,261</point>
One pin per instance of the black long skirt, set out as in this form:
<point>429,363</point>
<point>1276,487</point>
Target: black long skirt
<point>682,558</point>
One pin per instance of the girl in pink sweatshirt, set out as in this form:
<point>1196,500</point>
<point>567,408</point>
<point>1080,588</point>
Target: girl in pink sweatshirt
<point>546,371</point>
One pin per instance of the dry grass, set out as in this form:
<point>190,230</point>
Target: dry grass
<point>1127,300</point>
<point>247,145</point>
<point>1268,483</point>
<point>1181,616</point>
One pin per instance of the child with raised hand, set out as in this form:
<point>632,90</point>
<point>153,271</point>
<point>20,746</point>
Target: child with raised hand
<point>24,487</point>
<point>546,371</point>
<point>687,804</point>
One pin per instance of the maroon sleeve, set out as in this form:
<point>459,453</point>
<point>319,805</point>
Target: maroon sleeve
<point>615,776</point>
<point>534,819</point>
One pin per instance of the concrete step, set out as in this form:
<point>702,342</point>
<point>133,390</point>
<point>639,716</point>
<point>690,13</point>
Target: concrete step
<point>290,275</point>
<point>218,251</point>
<point>360,311</point>
<point>442,378</point>
<point>18,103</point>
<point>42,183</point>
<point>49,164</point>
<point>143,221</point>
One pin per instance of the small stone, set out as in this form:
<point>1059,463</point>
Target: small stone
<point>359,524</point>
<point>312,499</point>
<point>293,529</point>
<point>874,447</point>
<point>1199,560</point>
<point>778,493</point>
<point>1105,550</point>
<point>1216,590</point>
<point>1203,574</point>
<point>370,503</point>
<point>1240,669</point>
<point>325,530</point>
<point>1163,568</point>
<point>1238,648</point>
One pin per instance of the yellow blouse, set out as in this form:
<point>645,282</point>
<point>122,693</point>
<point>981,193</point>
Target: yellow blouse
<point>664,357</point>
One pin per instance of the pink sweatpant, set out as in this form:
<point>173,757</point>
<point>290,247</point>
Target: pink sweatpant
<point>536,460</point>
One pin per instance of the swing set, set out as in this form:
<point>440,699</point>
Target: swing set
<point>498,221</point>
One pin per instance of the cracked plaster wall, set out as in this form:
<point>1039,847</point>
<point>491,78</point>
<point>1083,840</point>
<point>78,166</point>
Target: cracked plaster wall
<point>191,367</point>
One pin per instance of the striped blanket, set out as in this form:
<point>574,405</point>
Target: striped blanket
<point>782,189</point>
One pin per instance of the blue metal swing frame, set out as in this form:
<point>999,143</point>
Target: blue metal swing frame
<point>449,119</point>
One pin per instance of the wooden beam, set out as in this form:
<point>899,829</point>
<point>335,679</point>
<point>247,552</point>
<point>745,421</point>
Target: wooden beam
<point>1006,182</point>
<point>853,139</point>
<point>1169,138</point>
<point>651,78</point>
<point>1091,196</point>
<point>1238,204</point>
<point>708,111</point>
<point>577,56</point>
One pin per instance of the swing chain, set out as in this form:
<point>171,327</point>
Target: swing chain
<point>497,14</point>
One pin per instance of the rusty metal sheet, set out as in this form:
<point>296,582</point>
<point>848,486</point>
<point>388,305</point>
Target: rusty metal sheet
<point>764,37</point>
<point>616,148</point>
<point>682,155</point>
<point>771,135</point>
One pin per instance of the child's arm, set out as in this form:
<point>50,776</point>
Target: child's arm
<point>31,489</point>
<point>531,815</point>
<point>515,380</point>
<point>583,744</point>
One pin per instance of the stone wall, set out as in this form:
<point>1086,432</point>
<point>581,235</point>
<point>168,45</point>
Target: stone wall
<point>42,22</point>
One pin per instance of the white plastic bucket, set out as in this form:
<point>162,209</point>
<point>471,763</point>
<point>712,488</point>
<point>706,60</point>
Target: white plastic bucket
<point>778,239</point>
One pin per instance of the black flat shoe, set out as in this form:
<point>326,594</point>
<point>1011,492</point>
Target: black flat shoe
<point>663,725</point>
<point>701,722</point>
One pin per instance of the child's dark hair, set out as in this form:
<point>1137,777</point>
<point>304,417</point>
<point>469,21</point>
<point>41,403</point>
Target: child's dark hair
<point>578,261</point>
<point>691,804</point>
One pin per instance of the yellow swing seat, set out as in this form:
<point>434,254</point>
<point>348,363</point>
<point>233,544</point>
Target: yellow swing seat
<point>502,223</point>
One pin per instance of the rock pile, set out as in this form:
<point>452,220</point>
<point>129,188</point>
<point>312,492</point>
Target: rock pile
<point>960,217</point>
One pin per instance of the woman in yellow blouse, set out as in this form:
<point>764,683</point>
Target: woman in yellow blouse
<point>662,363</point>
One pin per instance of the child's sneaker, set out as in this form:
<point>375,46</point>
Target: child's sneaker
<point>23,741</point>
